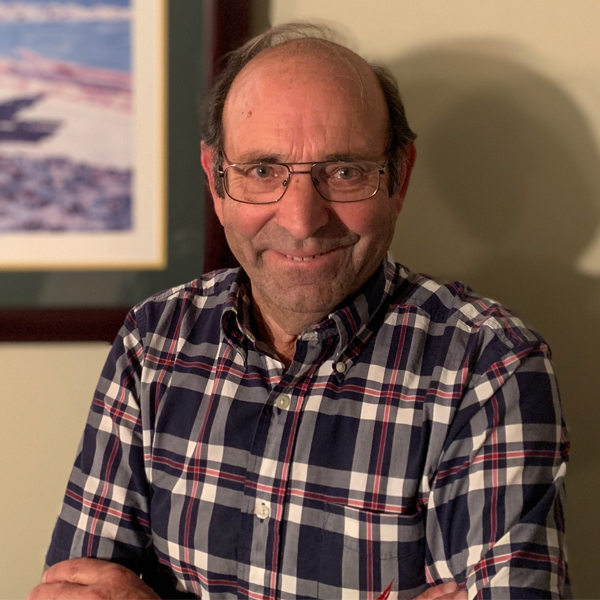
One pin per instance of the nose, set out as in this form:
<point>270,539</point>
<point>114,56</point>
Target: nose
<point>302,210</point>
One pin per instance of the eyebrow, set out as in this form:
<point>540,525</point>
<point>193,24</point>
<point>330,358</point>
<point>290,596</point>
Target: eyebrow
<point>348,157</point>
<point>260,157</point>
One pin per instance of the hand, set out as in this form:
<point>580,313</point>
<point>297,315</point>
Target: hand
<point>90,579</point>
<point>444,591</point>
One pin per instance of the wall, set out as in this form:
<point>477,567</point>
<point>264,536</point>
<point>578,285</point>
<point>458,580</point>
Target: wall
<point>505,99</point>
<point>46,394</point>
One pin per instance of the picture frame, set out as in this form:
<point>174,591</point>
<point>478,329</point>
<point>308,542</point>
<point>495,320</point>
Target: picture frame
<point>89,305</point>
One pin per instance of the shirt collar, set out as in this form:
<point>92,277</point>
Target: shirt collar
<point>350,320</point>
<point>355,316</point>
<point>235,321</point>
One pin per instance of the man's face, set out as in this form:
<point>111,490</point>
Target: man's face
<point>305,254</point>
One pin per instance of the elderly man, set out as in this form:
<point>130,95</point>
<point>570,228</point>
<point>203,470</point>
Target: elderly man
<point>321,423</point>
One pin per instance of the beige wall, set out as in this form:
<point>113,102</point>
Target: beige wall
<point>46,393</point>
<point>505,98</point>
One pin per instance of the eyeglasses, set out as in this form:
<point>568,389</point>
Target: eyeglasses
<point>336,181</point>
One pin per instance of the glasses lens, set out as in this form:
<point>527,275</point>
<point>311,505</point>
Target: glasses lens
<point>256,183</point>
<point>346,181</point>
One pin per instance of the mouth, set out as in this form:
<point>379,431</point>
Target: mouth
<point>303,258</point>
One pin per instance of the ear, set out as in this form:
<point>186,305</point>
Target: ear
<point>408,162</point>
<point>207,158</point>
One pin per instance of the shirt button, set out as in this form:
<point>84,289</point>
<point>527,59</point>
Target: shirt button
<point>262,511</point>
<point>340,367</point>
<point>283,402</point>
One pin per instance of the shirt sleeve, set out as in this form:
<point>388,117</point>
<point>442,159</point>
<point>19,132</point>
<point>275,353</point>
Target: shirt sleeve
<point>495,509</point>
<point>106,508</point>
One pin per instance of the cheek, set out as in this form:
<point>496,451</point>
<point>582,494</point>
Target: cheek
<point>245,221</point>
<point>368,219</point>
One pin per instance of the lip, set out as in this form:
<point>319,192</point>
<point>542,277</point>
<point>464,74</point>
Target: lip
<point>305,257</point>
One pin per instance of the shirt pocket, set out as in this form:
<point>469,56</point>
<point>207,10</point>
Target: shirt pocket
<point>363,552</point>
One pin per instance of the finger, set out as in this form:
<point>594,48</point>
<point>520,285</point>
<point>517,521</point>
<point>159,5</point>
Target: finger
<point>458,595</point>
<point>84,571</point>
<point>59,591</point>
<point>443,591</point>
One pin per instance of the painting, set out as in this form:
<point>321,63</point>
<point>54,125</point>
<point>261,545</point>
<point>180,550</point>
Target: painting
<point>82,134</point>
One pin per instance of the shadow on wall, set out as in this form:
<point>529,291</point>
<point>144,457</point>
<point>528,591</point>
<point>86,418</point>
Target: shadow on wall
<point>506,196</point>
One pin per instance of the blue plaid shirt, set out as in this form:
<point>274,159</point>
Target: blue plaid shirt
<point>416,438</point>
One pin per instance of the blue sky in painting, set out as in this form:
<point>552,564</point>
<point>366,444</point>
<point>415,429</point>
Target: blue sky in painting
<point>103,44</point>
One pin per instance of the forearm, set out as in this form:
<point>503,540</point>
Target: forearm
<point>495,512</point>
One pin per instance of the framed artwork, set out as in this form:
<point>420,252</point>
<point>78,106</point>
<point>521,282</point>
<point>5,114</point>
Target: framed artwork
<point>82,134</point>
<point>64,303</point>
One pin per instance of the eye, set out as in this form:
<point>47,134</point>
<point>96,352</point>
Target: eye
<point>261,171</point>
<point>346,172</point>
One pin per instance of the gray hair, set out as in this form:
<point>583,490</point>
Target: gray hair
<point>400,134</point>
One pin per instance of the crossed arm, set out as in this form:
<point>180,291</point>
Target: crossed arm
<point>93,579</point>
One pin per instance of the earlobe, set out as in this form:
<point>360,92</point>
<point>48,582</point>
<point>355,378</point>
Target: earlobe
<point>207,158</point>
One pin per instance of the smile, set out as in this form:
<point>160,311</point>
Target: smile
<point>302,259</point>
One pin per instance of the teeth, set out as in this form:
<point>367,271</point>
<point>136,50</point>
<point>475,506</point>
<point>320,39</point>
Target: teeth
<point>300,259</point>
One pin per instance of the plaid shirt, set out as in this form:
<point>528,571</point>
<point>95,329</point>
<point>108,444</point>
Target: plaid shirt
<point>416,438</point>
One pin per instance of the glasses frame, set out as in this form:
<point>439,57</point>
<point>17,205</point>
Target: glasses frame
<point>381,169</point>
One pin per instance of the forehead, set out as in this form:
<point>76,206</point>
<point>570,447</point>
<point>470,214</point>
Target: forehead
<point>306,99</point>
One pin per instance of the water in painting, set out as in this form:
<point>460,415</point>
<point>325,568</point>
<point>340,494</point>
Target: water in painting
<point>66,150</point>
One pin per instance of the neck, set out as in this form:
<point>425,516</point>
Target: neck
<point>280,329</point>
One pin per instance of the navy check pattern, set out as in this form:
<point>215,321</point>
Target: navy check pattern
<point>417,437</point>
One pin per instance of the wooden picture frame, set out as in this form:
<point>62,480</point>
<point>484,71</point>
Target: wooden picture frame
<point>72,305</point>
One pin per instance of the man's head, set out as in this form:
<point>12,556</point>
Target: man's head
<point>305,100</point>
<point>400,135</point>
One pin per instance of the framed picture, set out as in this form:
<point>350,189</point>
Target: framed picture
<point>87,304</point>
<point>83,134</point>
